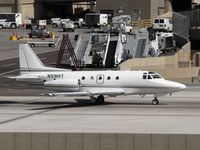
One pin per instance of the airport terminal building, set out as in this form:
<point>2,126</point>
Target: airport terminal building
<point>45,9</point>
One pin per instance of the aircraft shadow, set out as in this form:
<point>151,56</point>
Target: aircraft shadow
<point>61,105</point>
<point>83,103</point>
<point>76,103</point>
<point>8,102</point>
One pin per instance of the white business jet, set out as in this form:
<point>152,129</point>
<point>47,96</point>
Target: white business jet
<point>95,84</point>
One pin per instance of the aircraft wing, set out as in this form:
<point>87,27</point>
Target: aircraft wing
<point>88,93</point>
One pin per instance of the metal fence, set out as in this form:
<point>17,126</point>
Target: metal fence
<point>194,17</point>
<point>183,21</point>
<point>181,24</point>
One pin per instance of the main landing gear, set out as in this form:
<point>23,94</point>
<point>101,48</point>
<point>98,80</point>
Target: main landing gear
<point>155,101</point>
<point>98,100</point>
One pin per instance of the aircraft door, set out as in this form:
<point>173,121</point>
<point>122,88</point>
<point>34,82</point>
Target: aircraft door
<point>100,79</point>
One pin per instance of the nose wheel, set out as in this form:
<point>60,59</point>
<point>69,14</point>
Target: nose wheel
<point>155,101</point>
<point>98,100</point>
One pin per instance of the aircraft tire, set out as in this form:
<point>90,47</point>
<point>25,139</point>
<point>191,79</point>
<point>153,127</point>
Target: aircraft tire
<point>100,99</point>
<point>155,101</point>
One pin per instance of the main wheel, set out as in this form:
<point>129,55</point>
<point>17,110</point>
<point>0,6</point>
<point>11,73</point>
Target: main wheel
<point>100,99</point>
<point>155,101</point>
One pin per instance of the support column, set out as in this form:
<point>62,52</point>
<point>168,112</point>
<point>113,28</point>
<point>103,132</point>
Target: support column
<point>93,6</point>
<point>18,4</point>
<point>168,5</point>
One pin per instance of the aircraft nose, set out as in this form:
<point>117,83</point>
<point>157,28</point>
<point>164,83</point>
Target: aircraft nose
<point>181,86</point>
<point>176,86</point>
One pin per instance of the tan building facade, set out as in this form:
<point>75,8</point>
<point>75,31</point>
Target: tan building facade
<point>26,7</point>
<point>147,8</point>
<point>45,9</point>
<point>7,6</point>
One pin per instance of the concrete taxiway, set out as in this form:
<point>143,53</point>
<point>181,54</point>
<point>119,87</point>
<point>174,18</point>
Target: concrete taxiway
<point>177,114</point>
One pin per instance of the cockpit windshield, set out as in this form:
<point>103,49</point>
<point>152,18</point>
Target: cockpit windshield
<point>151,75</point>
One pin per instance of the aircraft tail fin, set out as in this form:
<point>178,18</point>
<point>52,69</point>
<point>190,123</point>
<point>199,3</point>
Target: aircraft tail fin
<point>29,61</point>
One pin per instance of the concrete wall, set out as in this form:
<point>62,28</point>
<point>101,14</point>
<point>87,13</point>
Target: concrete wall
<point>26,7</point>
<point>7,1</point>
<point>7,6</point>
<point>28,11</point>
<point>157,8</point>
<point>127,6</point>
<point>196,1</point>
<point>97,141</point>
<point>149,8</point>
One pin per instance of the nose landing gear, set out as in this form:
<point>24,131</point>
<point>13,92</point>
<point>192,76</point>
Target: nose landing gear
<point>155,101</point>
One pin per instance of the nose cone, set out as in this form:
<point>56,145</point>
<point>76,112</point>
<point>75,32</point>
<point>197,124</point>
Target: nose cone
<point>176,86</point>
<point>181,86</point>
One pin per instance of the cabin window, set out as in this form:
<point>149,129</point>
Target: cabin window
<point>108,78</point>
<point>100,78</point>
<point>92,78</point>
<point>149,77</point>
<point>83,78</point>
<point>144,76</point>
<point>156,76</point>
<point>117,77</point>
<point>150,72</point>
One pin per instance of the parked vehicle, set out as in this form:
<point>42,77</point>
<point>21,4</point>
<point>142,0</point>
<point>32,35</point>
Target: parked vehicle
<point>163,24</point>
<point>121,27</point>
<point>58,22</point>
<point>96,19</point>
<point>44,43</point>
<point>10,20</point>
<point>68,26</point>
<point>122,19</point>
<point>166,42</point>
<point>42,22</point>
<point>39,32</point>
<point>79,23</point>
<point>121,23</point>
